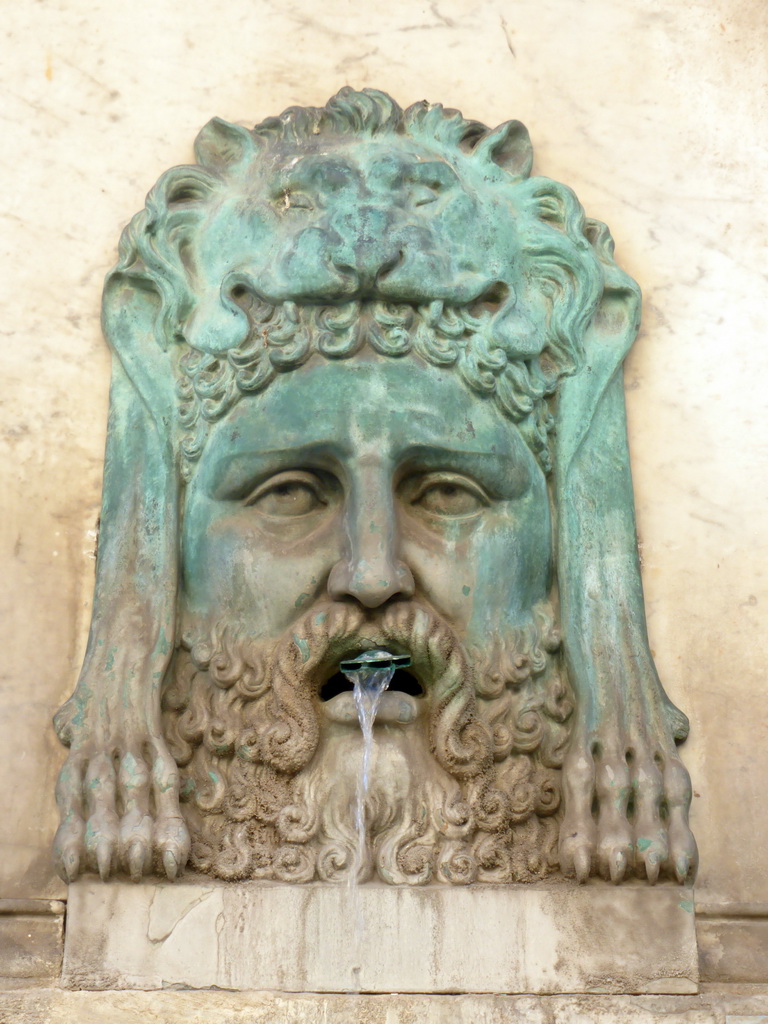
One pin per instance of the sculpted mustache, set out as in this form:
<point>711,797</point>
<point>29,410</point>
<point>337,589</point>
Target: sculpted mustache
<point>307,654</point>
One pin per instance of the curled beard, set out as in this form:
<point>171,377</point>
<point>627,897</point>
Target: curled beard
<point>468,792</point>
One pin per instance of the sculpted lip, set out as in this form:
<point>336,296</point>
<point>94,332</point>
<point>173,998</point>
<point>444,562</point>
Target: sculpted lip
<point>395,708</point>
<point>400,704</point>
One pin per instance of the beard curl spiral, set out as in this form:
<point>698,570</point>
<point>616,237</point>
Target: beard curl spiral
<point>262,704</point>
<point>265,798</point>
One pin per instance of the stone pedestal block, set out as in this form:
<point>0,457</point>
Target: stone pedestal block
<point>320,938</point>
<point>31,940</point>
<point>54,1006</point>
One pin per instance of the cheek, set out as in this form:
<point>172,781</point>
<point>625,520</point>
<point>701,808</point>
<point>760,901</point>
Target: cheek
<point>232,569</point>
<point>442,565</point>
<point>480,577</point>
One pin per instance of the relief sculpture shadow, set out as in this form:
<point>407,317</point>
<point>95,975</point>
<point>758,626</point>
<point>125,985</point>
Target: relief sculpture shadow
<point>367,395</point>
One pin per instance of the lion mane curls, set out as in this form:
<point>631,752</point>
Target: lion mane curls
<point>562,256</point>
<point>219,288</point>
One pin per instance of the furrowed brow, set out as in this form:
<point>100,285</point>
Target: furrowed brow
<point>235,474</point>
<point>503,473</point>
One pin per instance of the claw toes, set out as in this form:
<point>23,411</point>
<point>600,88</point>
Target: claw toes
<point>67,846</point>
<point>104,858</point>
<point>617,866</point>
<point>135,861</point>
<point>682,867</point>
<point>652,868</point>
<point>170,864</point>
<point>172,843</point>
<point>69,866</point>
<point>582,864</point>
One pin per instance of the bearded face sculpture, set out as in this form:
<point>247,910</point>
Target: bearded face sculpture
<point>367,394</point>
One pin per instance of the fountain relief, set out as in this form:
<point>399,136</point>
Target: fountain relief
<point>368,602</point>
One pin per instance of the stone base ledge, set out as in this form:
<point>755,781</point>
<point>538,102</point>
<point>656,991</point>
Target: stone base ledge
<point>31,942</point>
<point>50,1006</point>
<point>381,939</point>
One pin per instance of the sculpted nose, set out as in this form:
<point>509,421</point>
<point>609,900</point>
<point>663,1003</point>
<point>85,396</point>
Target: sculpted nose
<point>368,249</point>
<point>371,584</point>
<point>371,571</point>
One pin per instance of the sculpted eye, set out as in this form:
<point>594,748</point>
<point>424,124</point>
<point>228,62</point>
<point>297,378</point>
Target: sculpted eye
<point>295,201</point>
<point>448,495</point>
<point>289,494</point>
<point>424,194</point>
<point>430,181</point>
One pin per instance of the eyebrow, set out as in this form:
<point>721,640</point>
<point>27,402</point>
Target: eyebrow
<point>430,451</point>
<point>502,470</point>
<point>235,475</point>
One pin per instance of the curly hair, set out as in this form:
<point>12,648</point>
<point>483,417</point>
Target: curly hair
<point>562,258</point>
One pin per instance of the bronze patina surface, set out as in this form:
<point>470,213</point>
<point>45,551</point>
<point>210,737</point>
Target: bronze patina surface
<point>367,393</point>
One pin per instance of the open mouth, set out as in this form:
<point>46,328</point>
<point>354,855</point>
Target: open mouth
<point>398,704</point>
<point>402,682</point>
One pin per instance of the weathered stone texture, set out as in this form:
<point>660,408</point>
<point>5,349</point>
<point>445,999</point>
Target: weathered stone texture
<point>56,1007</point>
<point>678,188</point>
<point>733,949</point>
<point>689,79</point>
<point>303,938</point>
<point>31,940</point>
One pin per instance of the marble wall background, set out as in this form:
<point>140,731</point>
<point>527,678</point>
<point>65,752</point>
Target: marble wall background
<point>653,110</point>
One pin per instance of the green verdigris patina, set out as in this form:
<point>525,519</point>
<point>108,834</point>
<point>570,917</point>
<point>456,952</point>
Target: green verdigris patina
<point>367,392</point>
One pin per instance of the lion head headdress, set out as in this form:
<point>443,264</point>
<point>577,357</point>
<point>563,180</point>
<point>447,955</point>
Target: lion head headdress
<point>267,253</point>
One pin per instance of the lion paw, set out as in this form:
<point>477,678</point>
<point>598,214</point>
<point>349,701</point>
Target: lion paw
<point>120,813</point>
<point>626,812</point>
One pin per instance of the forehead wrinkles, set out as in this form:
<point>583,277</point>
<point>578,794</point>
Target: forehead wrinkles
<point>452,347</point>
<point>358,410</point>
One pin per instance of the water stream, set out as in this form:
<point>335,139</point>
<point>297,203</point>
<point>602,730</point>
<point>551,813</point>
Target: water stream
<point>370,674</point>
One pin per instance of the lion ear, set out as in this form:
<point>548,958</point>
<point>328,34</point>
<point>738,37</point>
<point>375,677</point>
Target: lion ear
<point>220,145</point>
<point>509,147</point>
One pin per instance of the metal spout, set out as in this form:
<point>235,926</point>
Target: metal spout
<point>375,660</point>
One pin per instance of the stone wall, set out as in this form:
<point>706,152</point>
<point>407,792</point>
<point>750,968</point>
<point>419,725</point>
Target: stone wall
<point>652,111</point>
